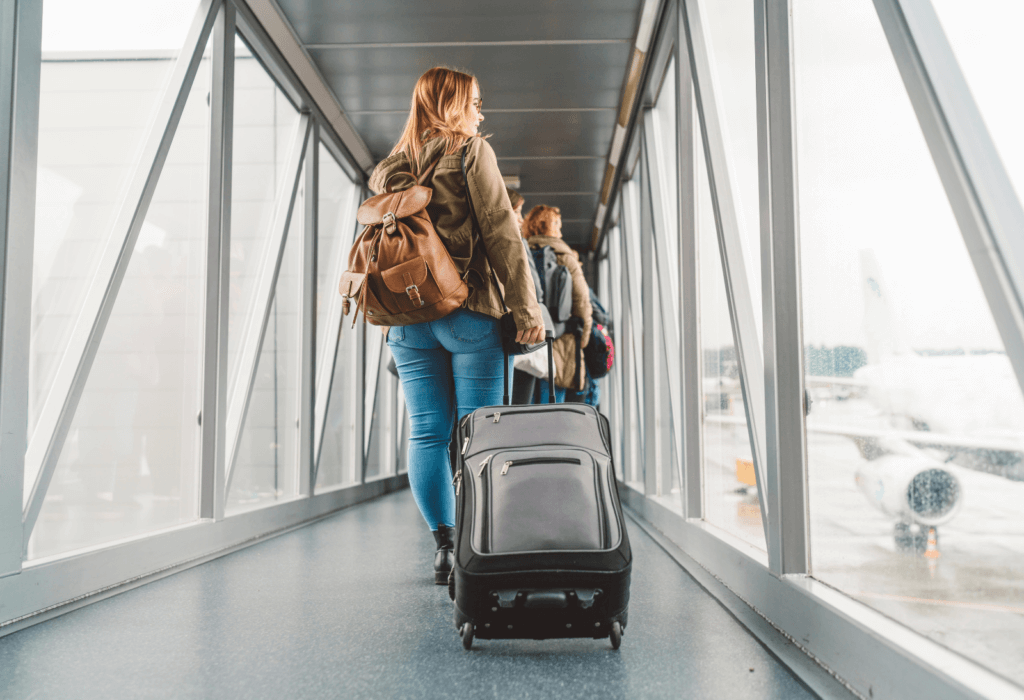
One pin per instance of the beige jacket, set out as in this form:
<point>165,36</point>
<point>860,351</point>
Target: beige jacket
<point>450,213</point>
<point>567,373</point>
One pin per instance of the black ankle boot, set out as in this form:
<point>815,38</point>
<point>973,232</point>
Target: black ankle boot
<point>444,559</point>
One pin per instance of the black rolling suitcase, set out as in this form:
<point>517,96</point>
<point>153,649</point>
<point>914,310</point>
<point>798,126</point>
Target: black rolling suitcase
<point>541,549</point>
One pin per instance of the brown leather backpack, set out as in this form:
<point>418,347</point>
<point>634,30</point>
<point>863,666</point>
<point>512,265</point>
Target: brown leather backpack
<point>399,271</point>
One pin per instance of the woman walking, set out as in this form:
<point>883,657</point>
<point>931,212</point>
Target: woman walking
<point>452,366</point>
<point>543,227</point>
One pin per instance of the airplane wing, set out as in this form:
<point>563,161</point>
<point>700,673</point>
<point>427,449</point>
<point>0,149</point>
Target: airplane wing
<point>921,438</point>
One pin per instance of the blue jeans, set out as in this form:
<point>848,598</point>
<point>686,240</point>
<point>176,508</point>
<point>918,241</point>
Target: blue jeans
<point>540,392</point>
<point>448,368</point>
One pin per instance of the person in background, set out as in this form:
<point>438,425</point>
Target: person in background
<point>543,227</point>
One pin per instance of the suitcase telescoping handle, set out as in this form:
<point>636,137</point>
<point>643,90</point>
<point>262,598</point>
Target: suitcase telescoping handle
<point>549,337</point>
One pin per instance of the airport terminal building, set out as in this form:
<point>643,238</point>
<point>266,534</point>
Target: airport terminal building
<point>803,218</point>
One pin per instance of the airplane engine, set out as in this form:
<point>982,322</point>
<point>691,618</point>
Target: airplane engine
<point>911,489</point>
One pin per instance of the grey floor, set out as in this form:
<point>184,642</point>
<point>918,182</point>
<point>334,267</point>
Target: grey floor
<point>346,608</point>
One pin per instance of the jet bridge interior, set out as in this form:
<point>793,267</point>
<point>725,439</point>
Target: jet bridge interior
<point>803,217</point>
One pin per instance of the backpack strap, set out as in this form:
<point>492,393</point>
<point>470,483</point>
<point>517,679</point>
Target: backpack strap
<point>419,180</point>
<point>423,178</point>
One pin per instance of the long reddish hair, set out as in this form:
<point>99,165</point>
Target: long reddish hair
<point>541,221</point>
<point>442,105</point>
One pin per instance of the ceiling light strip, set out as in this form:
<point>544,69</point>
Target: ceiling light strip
<point>331,46</point>
<point>523,110</point>
<point>644,34</point>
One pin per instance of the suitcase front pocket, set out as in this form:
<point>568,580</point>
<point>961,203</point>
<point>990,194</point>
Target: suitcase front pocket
<point>544,502</point>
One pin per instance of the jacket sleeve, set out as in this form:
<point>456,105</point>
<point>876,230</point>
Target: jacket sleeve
<point>505,251</point>
<point>580,295</point>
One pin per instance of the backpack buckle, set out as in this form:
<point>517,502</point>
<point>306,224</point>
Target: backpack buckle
<point>414,294</point>
<point>390,224</point>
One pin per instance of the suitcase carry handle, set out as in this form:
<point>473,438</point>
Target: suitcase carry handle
<point>549,337</point>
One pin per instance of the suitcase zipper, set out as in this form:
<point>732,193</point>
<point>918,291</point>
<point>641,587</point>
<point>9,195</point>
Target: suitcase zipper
<point>483,465</point>
<point>465,444</point>
<point>537,460</point>
<point>457,481</point>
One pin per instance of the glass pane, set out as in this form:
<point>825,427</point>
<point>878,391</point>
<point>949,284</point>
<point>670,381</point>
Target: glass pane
<point>266,468</point>
<point>336,218</point>
<point>380,453</point>
<point>131,460</point>
<point>916,429</point>
<point>104,69</point>
<point>264,129</point>
<point>341,452</point>
<point>729,30</point>
<point>985,36</point>
<point>730,489</point>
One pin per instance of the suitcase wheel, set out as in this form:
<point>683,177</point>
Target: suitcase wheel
<point>466,632</point>
<point>616,635</point>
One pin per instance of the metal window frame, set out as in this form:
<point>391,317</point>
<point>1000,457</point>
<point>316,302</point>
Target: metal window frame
<point>691,360</point>
<point>47,441</point>
<point>737,287</point>
<point>653,380</point>
<point>264,294</point>
<point>307,323</point>
<point>788,532</point>
<point>20,54</point>
<point>218,269</point>
<point>39,589</point>
<point>839,644</point>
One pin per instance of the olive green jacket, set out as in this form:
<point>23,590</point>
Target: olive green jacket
<point>449,211</point>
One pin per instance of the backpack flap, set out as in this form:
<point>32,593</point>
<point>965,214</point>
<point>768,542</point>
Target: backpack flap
<point>350,285</point>
<point>399,205</point>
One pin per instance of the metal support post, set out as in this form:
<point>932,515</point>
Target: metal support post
<point>307,332</point>
<point>21,29</point>
<point>616,392</point>
<point>218,269</point>
<point>653,383</point>
<point>785,437</point>
<point>359,401</point>
<point>689,287</point>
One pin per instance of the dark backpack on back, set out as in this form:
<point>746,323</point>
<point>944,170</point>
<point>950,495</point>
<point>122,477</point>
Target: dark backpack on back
<point>557,282</point>
<point>599,355</point>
